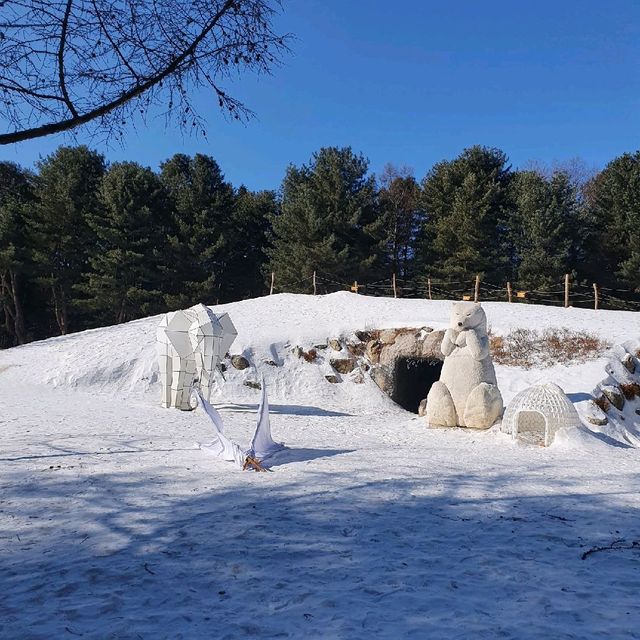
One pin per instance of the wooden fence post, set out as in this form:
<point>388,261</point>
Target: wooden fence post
<point>596,293</point>
<point>566,290</point>
<point>315,291</point>
<point>509,291</point>
<point>476,289</point>
<point>273,279</point>
<point>429,287</point>
<point>395,291</point>
<point>354,286</point>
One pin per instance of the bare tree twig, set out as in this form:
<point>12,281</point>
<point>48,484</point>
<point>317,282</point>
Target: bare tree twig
<point>616,545</point>
<point>67,63</point>
<point>61,76</point>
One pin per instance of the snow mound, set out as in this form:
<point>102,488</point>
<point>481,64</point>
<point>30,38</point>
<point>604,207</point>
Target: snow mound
<point>121,360</point>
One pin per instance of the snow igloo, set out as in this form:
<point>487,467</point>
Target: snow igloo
<point>537,413</point>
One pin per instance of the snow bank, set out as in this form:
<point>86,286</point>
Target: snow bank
<point>121,359</point>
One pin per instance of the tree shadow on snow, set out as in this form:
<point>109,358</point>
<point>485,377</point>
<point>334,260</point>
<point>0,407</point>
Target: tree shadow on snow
<point>282,409</point>
<point>342,554</point>
<point>579,396</point>
<point>290,456</point>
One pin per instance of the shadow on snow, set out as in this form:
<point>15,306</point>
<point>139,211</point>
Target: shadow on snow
<point>329,555</point>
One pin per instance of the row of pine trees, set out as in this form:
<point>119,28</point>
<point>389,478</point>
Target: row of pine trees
<point>84,243</point>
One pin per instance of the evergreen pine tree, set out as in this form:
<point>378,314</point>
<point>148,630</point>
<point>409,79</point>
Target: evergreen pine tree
<point>203,207</point>
<point>66,189</point>
<point>16,193</point>
<point>542,228</point>
<point>328,222</point>
<point>125,276</point>
<point>247,260</point>
<point>400,209</point>
<point>613,205</point>
<point>466,205</point>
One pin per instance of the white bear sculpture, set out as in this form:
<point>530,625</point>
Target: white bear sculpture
<point>467,393</point>
<point>191,343</point>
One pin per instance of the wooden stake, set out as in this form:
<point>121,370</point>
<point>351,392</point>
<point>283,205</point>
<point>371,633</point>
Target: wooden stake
<point>429,287</point>
<point>315,291</point>
<point>597,296</point>
<point>273,279</point>
<point>476,289</point>
<point>354,286</point>
<point>566,290</point>
<point>509,291</point>
<point>395,291</point>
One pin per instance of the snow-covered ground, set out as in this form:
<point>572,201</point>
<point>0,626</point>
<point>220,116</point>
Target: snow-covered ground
<point>113,524</point>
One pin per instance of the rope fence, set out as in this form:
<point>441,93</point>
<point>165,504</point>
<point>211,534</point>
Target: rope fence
<point>567,293</point>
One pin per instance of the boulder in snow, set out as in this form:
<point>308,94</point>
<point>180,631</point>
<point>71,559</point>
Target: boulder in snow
<point>629,363</point>
<point>239,362</point>
<point>343,365</point>
<point>614,395</point>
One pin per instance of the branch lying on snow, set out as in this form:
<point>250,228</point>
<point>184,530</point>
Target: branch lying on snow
<point>253,463</point>
<point>614,546</point>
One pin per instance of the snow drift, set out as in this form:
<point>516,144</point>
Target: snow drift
<point>120,360</point>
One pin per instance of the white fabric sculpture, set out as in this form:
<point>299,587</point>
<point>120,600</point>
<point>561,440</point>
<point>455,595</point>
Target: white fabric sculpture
<point>467,394</point>
<point>262,445</point>
<point>191,343</point>
<point>536,414</point>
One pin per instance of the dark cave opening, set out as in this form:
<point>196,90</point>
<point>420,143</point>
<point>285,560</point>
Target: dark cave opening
<point>413,378</point>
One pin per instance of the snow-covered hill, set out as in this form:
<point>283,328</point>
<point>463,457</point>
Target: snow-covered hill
<point>114,524</point>
<point>121,359</point>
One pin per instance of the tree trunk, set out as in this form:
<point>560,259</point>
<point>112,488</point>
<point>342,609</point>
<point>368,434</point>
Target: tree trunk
<point>60,310</point>
<point>18,315</point>
<point>9,313</point>
<point>394,250</point>
<point>122,313</point>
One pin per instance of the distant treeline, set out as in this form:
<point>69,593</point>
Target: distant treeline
<point>85,243</point>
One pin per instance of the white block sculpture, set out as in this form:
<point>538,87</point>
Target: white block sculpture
<point>467,393</point>
<point>536,414</point>
<point>262,444</point>
<point>191,343</point>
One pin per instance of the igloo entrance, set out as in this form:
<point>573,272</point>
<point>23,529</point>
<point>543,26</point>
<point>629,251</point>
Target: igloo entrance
<point>531,427</point>
<point>412,379</point>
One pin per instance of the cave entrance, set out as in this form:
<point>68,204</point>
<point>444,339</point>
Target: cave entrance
<point>413,378</point>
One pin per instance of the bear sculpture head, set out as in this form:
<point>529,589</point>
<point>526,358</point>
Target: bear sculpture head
<point>468,315</point>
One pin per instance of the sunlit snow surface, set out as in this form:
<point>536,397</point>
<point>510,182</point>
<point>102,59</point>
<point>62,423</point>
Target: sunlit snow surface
<point>113,524</point>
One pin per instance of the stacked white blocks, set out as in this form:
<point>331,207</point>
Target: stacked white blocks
<point>191,343</point>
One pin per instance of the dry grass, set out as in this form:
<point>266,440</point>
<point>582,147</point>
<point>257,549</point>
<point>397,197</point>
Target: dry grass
<point>310,356</point>
<point>630,390</point>
<point>602,402</point>
<point>530,348</point>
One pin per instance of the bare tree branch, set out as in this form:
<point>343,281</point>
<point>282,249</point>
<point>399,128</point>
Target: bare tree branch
<point>63,40</point>
<point>104,60</point>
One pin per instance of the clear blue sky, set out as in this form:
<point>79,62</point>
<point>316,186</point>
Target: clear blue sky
<point>415,82</point>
